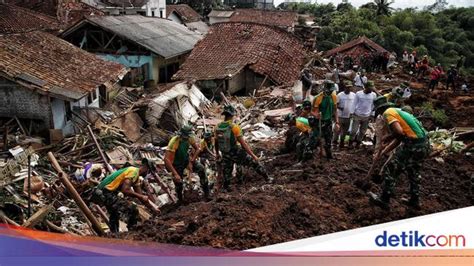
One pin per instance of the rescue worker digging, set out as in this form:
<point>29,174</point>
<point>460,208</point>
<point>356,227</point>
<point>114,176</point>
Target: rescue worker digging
<point>412,147</point>
<point>177,160</point>
<point>324,110</point>
<point>228,137</point>
<point>123,181</point>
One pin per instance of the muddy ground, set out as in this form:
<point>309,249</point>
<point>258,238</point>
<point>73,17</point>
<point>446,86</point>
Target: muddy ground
<point>327,197</point>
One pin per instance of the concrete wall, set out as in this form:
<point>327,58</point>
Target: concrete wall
<point>213,20</point>
<point>16,100</point>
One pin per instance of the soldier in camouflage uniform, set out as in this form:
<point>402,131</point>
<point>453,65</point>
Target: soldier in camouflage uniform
<point>325,110</point>
<point>412,147</point>
<point>234,149</point>
<point>123,181</point>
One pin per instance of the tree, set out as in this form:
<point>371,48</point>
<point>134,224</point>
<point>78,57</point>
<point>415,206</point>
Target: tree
<point>383,7</point>
<point>438,6</point>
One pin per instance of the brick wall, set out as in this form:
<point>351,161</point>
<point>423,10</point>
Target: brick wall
<point>16,100</point>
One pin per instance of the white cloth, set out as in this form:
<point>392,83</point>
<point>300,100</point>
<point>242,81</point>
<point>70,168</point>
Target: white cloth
<point>336,75</point>
<point>360,81</point>
<point>346,103</point>
<point>364,103</point>
<point>405,57</point>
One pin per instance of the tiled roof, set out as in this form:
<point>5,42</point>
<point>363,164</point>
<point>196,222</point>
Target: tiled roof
<point>229,47</point>
<point>14,19</point>
<point>221,13</point>
<point>75,11</point>
<point>356,42</point>
<point>51,65</point>
<point>185,12</point>
<point>284,19</point>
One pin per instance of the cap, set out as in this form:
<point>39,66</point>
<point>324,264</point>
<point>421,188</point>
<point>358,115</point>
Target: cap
<point>229,109</point>
<point>307,104</point>
<point>348,83</point>
<point>328,85</point>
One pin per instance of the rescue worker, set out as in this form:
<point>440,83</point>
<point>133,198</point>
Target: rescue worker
<point>306,109</point>
<point>411,146</point>
<point>126,181</point>
<point>177,159</point>
<point>451,77</point>
<point>206,153</point>
<point>304,151</point>
<point>234,149</point>
<point>325,111</point>
<point>398,94</point>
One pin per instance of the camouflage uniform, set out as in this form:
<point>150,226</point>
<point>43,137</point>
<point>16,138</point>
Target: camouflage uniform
<point>408,157</point>
<point>240,157</point>
<point>326,134</point>
<point>117,205</point>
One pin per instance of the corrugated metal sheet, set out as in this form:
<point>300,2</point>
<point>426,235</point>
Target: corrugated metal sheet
<point>161,36</point>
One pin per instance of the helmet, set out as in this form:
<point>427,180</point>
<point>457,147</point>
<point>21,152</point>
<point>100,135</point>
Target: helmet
<point>207,135</point>
<point>307,104</point>
<point>397,92</point>
<point>186,131</point>
<point>229,109</point>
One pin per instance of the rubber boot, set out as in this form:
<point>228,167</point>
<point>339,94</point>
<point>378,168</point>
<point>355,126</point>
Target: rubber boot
<point>382,201</point>
<point>205,189</point>
<point>328,153</point>
<point>413,202</point>
<point>179,192</point>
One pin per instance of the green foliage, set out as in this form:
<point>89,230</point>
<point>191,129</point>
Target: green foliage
<point>445,34</point>
<point>438,115</point>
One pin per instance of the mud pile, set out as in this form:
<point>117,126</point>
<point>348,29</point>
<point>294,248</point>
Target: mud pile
<point>326,197</point>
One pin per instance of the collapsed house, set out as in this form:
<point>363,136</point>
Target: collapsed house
<point>153,48</point>
<point>242,57</point>
<point>184,14</point>
<point>355,49</point>
<point>42,78</point>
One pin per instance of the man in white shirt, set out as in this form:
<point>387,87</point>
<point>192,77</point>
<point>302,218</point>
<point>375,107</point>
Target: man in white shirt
<point>360,81</point>
<point>345,107</point>
<point>363,105</point>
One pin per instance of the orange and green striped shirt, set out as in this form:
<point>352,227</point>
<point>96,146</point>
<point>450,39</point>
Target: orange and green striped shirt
<point>412,128</point>
<point>302,124</point>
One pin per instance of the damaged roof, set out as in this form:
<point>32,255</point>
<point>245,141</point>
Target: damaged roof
<point>44,62</point>
<point>14,19</point>
<point>161,36</point>
<point>221,13</point>
<point>185,12</point>
<point>364,41</point>
<point>229,47</point>
<point>284,19</point>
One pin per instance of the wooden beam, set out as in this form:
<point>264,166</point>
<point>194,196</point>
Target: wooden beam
<point>101,153</point>
<point>110,41</point>
<point>77,198</point>
<point>38,216</point>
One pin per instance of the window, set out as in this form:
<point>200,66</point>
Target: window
<point>92,97</point>
<point>68,110</point>
<point>152,13</point>
<point>161,13</point>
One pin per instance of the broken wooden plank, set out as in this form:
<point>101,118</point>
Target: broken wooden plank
<point>8,220</point>
<point>57,228</point>
<point>77,198</point>
<point>21,126</point>
<point>101,153</point>
<point>38,216</point>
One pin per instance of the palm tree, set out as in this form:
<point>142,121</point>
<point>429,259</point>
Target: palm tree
<point>383,7</point>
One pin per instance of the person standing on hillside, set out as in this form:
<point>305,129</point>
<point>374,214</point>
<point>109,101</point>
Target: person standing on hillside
<point>345,107</point>
<point>363,105</point>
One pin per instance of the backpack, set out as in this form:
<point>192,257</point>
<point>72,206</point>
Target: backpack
<point>224,138</point>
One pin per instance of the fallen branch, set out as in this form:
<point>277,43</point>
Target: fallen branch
<point>38,216</point>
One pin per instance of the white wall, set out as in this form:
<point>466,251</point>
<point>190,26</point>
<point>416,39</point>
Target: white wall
<point>175,18</point>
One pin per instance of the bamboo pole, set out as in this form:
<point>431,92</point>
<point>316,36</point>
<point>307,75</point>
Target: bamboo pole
<point>102,155</point>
